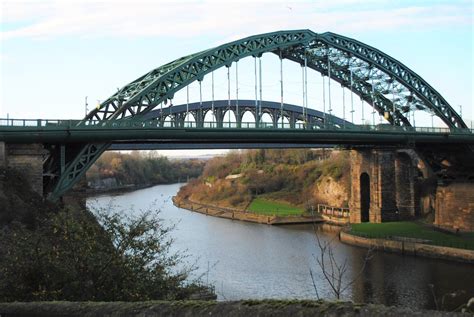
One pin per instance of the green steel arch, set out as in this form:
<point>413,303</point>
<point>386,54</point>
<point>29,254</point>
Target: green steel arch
<point>390,87</point>
<point>344,54</point>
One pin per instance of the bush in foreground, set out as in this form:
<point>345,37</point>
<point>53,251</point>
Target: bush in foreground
<point>69,256</point>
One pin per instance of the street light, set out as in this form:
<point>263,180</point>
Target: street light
<point>86,109</point>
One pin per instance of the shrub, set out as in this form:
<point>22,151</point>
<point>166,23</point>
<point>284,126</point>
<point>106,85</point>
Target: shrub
<point>69,256</point>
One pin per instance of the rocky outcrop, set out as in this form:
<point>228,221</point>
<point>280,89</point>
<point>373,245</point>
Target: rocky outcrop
<point>332,192</point>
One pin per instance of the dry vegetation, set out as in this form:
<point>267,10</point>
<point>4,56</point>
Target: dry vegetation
<point>291,176</point>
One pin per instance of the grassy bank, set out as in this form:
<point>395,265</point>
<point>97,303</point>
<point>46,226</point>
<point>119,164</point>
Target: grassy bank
<point>264,206</point>
<point>413,230</point>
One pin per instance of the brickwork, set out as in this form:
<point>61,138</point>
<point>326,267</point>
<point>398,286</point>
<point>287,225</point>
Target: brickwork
<point>379,164</point>
<point>455,206</point>
<point>383,204</point>
<point>397,194</point>
<point>359,164</point>
<point>27,158</point>
<point>405,186</point>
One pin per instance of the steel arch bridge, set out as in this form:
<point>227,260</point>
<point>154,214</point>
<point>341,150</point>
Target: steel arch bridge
<point>390,87</point>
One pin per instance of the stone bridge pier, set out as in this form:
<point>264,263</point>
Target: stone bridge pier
<point>27,158</point>
<point>383,185</point>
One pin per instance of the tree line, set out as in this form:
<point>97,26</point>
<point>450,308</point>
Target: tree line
<point>139,168</point>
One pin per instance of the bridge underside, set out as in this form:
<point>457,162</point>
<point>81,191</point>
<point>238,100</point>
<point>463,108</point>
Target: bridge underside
<point>210,146</point>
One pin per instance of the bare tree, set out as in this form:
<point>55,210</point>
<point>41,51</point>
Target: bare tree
<point>440,302</point>
<point>335,271</point>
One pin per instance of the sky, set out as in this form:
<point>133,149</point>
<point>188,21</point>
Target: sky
<point>55,53</point>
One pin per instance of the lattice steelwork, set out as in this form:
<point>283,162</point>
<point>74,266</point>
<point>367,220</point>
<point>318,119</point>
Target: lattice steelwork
<point>390,87</point>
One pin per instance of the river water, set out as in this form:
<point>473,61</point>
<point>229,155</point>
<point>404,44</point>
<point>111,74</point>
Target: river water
<point>253,261</point>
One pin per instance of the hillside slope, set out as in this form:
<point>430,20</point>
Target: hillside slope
<point>299,177</point>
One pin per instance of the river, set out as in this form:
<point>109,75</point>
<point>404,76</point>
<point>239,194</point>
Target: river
<point>253,261</point>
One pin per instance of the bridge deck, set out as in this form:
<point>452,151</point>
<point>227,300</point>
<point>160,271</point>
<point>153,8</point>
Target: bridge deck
<point>127,131</point>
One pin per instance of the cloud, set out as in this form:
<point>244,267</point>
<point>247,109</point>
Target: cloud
<point>142,18</point>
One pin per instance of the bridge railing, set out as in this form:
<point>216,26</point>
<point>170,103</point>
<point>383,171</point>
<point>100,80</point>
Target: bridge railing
<point>34,122</point>
<point>150,124</point>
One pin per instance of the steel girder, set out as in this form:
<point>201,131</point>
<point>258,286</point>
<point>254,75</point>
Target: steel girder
<point>61,173</point>
<point>430,98</point>
<point>355,82</point>
<point>377,76</point>
<point>160,85</point>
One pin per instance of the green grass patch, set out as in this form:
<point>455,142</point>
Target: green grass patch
<point>268,207</point>
<point>413,230</point>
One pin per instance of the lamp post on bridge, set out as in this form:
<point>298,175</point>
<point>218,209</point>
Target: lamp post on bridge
<point>85,105</point>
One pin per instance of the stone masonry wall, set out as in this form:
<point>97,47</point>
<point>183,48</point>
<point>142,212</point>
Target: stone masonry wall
<point>405,186</point>
<point>27,158</point>
<point>380,166</point>
<point>360,163</point>
<point>455,206</point>
<point>383,206</point>
<point>2,154</point>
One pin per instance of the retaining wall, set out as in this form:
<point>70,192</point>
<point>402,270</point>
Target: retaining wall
<point>410,248</point>
<point>235,214</point>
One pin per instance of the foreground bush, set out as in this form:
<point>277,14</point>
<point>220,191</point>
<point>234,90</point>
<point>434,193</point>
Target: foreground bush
<point>67,255</point>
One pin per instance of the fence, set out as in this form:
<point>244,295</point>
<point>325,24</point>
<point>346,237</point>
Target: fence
<point>147,124</point>
<point>331,211</point>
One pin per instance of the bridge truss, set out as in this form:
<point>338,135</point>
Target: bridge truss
<point>392,89</point>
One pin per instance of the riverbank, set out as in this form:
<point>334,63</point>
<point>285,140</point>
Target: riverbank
<point>409,246</point>
<point>212,308</point>
<point>236,214</point>
<point>402,245</point>
<point>91,192</point>
<point>262,261</point>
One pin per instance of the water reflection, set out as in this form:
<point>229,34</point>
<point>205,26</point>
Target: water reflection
<point>249,260</point>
